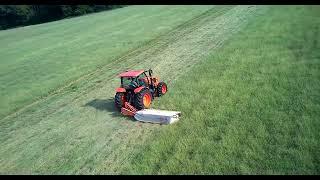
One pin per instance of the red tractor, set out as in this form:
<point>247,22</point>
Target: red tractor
<point>138,88</point>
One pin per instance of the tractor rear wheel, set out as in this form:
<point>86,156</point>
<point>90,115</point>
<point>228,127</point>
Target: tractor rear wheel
<point>162,89</point>
<point>143,99</point>
<point>119,100</point>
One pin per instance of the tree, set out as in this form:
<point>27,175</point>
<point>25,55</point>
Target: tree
<point>18,15</point>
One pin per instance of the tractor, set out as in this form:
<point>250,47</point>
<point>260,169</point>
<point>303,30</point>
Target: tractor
<point>138,88</point>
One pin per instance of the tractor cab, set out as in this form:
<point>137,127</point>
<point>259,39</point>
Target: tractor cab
<point>133,79</point>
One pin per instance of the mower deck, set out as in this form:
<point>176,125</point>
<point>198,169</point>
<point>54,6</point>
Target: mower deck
<point>157,116</point>
<point>151,115</point>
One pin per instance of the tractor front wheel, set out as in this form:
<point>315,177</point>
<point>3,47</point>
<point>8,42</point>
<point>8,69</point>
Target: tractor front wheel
<point>162,88</point>
<point>119,100</point>
<point>143,99</point>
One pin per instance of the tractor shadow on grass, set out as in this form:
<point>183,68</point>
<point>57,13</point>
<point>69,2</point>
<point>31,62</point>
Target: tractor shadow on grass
<point>105,105</point>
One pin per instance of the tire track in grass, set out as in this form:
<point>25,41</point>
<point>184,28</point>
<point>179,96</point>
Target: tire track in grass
<point>98,141</point>
<point>187,51</point>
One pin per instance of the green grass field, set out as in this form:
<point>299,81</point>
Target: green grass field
<point>250,108</point>
<point>38,60</point>
<point>246,79</point>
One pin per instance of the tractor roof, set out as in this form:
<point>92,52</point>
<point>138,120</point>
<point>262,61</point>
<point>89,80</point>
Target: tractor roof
<point>133,73</point>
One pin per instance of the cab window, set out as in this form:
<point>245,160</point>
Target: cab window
<point>141,79</point>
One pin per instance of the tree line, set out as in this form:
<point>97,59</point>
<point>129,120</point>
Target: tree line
<point>22,15</point>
